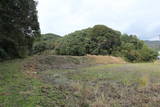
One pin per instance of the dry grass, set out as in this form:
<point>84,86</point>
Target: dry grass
<point>157,62</point>
<point>111,82</point>
<point>100,101</point>
<point>98,59</point>
<point>144,81</point>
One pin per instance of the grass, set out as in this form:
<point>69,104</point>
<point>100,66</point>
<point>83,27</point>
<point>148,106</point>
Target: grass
<point>19,90</point>
<point>111,85</point>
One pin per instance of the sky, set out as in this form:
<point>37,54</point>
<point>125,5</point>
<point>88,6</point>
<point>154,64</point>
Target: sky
<point>138,17</point>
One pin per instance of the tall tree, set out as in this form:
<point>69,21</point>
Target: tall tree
<point>104,39</point>
<point>18,27</point>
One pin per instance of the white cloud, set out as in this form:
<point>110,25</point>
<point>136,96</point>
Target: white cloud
<point>139,17</point>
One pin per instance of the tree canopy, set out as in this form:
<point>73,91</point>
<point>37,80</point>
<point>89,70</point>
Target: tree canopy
<point>45,42</point>
<point>102,40</point>
<point>99,40</point>
<point>19,26</point>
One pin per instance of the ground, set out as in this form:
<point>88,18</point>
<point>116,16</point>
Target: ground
<point>70,81</point>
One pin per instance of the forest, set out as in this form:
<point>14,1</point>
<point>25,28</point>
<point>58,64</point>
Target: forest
<point>18,29</point>
<point>102,40</point>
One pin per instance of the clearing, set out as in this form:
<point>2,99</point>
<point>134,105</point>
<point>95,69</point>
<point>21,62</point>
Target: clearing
<point>71,81</point>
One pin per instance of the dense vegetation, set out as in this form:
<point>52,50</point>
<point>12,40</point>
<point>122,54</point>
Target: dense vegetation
<point>18,27</point>
<point>136,50</point>
<point>101,40</point>
<point>45,42</point>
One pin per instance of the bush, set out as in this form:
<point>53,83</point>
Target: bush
<point>39,47</point>
<point>148,54</point>
<point>99,40</point>
<point>3,54</point>
<point>45,42</point>
<point>71,45</point>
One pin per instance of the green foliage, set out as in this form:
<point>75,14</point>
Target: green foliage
<point>45,42</point>
<point>19,26</point>
<point>101,40</point>
<point>134,50</point>
<point>148,54</point>
<point>3,54</point>
<point>73,44</point>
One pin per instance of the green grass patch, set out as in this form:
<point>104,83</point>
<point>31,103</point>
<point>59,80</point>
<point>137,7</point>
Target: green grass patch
<point>19,90</point>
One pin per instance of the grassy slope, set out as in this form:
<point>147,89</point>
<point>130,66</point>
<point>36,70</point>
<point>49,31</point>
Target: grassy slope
<point>96,86</point>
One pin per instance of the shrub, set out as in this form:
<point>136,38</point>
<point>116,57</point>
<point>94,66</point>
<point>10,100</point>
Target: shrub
<point>3,54</point>
<point>45,42</point>
<point>99,40</point>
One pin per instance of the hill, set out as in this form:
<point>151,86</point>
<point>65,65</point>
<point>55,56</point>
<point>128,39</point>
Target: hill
<point>50,37</point>
<point>102,40</point>
<point>153,44</point>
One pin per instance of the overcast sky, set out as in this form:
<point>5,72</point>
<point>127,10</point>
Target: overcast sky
<point>140,17</point>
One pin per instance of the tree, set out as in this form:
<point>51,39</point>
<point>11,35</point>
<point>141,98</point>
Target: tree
<point>19,26</point>
<point>101,40</point>
<point>73,44</point>
<point>45,42</point>
<point>148,54</point>
<point>104,40</point>
<point>134,50</point>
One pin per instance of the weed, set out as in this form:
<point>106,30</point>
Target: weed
<point>143,81</point>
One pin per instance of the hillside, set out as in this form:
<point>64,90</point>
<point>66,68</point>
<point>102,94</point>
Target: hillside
<point>50,36</point>
<point>153,44</point>
<point>103,40</point>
